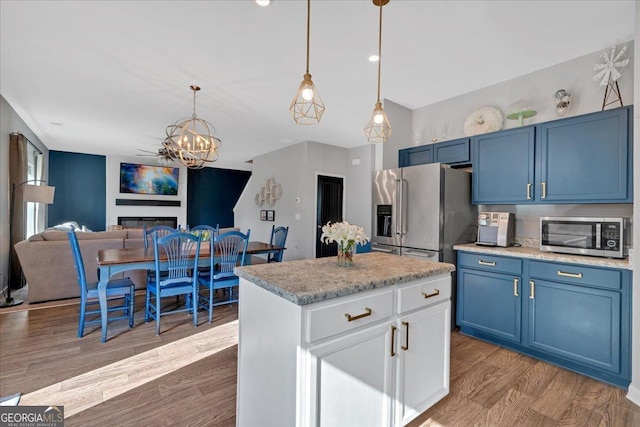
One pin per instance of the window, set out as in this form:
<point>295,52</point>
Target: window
<point>35,211</point>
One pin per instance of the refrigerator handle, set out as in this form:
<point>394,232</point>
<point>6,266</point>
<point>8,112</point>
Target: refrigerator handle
<point>405,212</point>
<point>398,205</point>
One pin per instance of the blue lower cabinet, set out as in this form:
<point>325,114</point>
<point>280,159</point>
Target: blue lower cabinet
<point>489,302</point>
<point>571,315</point>
<point>578,323</point>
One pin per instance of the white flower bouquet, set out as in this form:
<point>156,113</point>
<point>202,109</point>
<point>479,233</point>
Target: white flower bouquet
<point>347,236</point>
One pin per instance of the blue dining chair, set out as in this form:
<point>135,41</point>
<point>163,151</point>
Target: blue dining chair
<point>179,251</point>
<point>230,251</point>
<point>122,288</point>
<point>147,234</point>
<point>278,238</point>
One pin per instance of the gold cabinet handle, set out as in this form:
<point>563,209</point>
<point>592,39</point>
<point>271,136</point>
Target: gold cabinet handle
<point>405,347</point>
<point>532,289</point>
<point>528,191</point>
<point>426,295</point>
<point>515,287</point>
<point>544,190</point>
<point>574,275</point>
<point>350,318</point>
<point>489,263</point>
<point>393,340</point>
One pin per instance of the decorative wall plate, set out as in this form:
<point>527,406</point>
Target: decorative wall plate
<point>483,120</point>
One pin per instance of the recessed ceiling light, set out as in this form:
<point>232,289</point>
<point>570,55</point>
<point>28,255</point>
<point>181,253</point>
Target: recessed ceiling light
<point>263,3</point>
<point>374,58</point>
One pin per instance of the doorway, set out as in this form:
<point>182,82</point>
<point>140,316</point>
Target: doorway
<point>329,207</point>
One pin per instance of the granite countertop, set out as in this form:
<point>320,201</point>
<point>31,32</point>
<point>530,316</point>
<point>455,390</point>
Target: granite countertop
<point>312,280</point>
<point>535,253</point>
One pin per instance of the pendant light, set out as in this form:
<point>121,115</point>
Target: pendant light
<point>378,129</point>
<point>307,107</point>
<point>192,141</point>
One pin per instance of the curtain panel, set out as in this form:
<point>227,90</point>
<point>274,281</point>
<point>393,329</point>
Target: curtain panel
<point>17,175</point>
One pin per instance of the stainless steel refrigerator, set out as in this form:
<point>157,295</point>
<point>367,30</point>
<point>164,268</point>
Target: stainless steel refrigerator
<point>422,211</point>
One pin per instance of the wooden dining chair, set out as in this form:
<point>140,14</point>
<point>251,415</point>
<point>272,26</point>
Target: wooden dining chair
<point>230,251</point>
<point>278,238</point>
<point>179,251</point>
<point>121,289</point>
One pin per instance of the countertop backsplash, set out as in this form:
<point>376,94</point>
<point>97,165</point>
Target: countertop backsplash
<point>528,216</point>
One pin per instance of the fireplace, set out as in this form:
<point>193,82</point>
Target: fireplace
<point>148,221</point>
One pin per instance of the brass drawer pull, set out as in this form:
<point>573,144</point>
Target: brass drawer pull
<point>515,287</point>
<point>426,295</point>
<point>529,191</point>
<point>406,336</point>
<point>393,340</point>
<point>489,263</point>
<point>574,275</point>
<point>351,318</point>
<point>532,289</point>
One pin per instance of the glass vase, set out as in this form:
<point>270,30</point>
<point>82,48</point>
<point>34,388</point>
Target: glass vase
<point>345,255</point>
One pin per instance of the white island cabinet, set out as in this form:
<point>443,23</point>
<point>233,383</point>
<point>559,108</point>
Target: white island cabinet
<point>322,345</point>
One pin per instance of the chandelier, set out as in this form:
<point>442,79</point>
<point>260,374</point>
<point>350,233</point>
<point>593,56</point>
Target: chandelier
<point>192,141</point>
<point>307,107</point>
<point>378,129</point>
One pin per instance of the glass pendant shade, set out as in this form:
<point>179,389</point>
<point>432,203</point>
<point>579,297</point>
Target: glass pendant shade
<point>307,107</point>
<point>192,141</point>
<point>378,129</point>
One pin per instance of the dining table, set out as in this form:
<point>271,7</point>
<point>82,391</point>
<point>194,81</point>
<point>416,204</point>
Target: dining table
<point>114,261</point>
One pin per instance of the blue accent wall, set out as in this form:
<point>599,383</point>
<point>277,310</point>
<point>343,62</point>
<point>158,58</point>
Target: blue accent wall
<point>212,194</point>
<point>81,189</point>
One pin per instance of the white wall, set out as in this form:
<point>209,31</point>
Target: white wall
<point>539,86</point>
<point>296,168</point>
<point>359,177</point>
<point>634,388</point>
<point>400,119</point>
<point>10,122</point>
<point>113,193</point>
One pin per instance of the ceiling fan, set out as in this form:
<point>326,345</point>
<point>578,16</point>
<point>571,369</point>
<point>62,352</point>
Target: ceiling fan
<point>163,156</point>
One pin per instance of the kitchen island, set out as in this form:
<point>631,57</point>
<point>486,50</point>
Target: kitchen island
<point>326,345</point>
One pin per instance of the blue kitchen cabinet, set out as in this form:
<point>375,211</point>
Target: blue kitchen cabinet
<point>582,315</point>
<point>489,301</point>
<point>415,156</point>
<point>585,159</point>
<point>454,152</point>
<point>581,159</point>
<point>503,166</point>
<point>572,315</point>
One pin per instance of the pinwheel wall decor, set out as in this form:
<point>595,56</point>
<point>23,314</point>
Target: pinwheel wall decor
<point>608,73</point>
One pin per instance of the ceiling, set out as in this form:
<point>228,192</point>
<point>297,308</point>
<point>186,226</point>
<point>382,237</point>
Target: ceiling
<point>107,77</point>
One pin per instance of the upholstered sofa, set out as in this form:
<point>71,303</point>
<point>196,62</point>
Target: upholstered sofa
<point>48,265</point>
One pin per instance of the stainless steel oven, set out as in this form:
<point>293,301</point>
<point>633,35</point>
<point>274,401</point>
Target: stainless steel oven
<point>604,237</point>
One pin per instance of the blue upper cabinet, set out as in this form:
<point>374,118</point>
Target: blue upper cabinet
<point>503,166</point>
<point>454,152</point>
<point>415,155</point>
<point>584,159</point>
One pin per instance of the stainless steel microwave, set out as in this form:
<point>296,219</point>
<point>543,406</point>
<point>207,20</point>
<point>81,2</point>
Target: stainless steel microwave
<point>603,237</point>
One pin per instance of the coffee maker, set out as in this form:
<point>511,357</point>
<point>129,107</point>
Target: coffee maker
<point>496,229</point>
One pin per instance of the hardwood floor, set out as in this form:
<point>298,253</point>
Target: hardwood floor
<point>187,376</point>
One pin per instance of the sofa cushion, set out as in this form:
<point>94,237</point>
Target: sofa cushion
<point>53,235</point>
<point>134,233</point>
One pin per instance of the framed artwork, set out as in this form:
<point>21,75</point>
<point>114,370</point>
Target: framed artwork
<point>263,215</point>
<point>271,215</point>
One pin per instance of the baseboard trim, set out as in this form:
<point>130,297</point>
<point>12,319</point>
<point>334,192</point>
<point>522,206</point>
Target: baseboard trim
<point>633,394</point>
